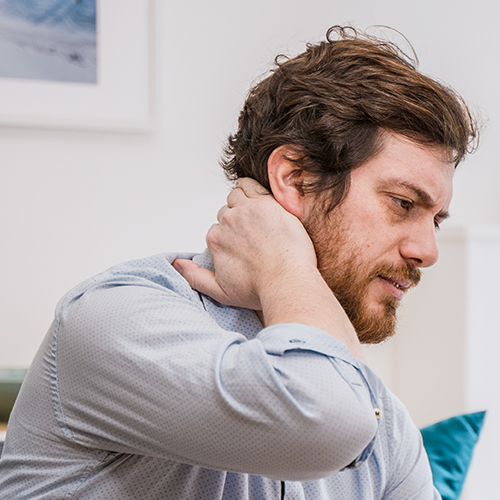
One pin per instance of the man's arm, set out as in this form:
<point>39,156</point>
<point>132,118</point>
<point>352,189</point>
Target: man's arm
<point>264,260</point>
<point>290,403</point>
<point>144,369</point>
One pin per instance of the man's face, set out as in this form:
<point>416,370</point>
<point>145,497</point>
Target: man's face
<point>371,246</point>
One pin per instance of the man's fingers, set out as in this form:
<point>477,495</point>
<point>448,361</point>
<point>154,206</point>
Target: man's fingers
<point>251,187</point>
<point>194,274</point>
<point>235,197</point>
<point>221,212</point>
<point>200,279</point>
<point>245,188</point>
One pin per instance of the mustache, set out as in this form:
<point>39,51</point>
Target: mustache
<point>404,271</point>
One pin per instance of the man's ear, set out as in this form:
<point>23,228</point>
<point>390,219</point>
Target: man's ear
<point>284,177</point>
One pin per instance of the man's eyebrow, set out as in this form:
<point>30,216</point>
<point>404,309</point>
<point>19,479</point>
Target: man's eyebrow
<point>423,197</point>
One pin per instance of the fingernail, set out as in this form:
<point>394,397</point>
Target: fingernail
<point>177,266</point>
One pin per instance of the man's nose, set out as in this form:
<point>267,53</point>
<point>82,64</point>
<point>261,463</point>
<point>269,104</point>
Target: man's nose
<point>420,246</point>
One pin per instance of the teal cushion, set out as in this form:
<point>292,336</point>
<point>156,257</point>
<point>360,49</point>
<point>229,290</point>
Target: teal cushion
<point>449,445</point>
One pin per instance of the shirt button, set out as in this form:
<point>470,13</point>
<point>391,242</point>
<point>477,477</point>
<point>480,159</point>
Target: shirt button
<point>378,412</point>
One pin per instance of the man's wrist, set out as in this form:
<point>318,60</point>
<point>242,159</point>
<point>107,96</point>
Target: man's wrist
<point>304,297</point>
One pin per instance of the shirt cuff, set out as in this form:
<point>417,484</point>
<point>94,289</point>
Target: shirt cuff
<point>278,339</point>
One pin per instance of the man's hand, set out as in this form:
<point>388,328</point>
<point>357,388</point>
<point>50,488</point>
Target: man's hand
<point>255,241</point>
<point>264,260</point>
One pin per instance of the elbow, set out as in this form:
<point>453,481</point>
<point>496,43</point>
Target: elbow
<point>328,441</point>
<point>348,435</point>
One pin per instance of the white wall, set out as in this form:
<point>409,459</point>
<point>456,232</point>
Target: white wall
<point>74,203</point>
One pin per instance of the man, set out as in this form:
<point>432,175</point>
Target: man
<point>238,373</point>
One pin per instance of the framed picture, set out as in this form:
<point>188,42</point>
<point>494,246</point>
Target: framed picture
<point>82,64</point>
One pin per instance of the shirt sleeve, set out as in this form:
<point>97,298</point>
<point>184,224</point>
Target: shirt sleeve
<point>143,370</point>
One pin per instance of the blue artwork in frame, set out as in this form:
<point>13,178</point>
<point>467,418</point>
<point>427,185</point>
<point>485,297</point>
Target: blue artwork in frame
<point>76,64</point>
<point>53,40</point>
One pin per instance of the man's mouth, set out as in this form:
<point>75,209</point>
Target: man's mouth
<point>399,282</point>
<point>396,286</point>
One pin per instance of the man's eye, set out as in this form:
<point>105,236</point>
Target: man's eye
<point>404,204</point>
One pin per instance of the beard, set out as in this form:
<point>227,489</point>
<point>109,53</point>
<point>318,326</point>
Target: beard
<point>348,271</point>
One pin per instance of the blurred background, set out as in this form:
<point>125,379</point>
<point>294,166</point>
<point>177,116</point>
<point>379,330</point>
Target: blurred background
<point>75,202</point>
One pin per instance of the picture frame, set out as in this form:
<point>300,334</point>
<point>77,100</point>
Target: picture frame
<point>121,98</point>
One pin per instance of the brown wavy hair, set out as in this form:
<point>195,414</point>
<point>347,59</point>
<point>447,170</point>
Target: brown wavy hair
<point>331,103</point>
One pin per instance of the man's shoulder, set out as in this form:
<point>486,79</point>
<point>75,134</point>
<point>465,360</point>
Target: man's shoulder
<point>156,269</point>
<point>154,272</point>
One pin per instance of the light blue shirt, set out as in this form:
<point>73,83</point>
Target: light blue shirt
<point>145,389</point>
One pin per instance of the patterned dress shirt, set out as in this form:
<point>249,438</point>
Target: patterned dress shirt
<point>145,389</point>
